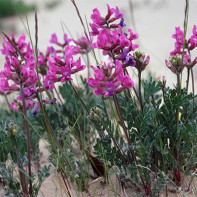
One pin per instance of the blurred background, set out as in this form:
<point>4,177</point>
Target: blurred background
<point>153,20</point>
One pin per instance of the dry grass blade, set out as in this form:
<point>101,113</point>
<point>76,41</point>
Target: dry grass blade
<point>78,13</point>
<point>36,33</point>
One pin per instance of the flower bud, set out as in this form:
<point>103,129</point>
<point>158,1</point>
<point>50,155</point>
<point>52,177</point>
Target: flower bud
<point>193,63</point>
<point>95,114</point>
<point>141,60</point>
<point>11,129</point>
<point>163,82</point>
<point>176,60</point>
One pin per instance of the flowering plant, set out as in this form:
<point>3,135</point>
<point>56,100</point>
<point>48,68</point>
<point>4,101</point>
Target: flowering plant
<point>133,130</point>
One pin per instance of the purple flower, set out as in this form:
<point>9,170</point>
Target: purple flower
<point>36,108</point>
<point>104,40</point>
<point>61,68</point>
<point>96,17</point>
<point>176,64</point>
<point>122,24</point>
<point>193,39</point>
<point>4,85</point>
<point>54,39</point>
<point>107,82</point>
<point>129,60</point>
<point>117,13</point>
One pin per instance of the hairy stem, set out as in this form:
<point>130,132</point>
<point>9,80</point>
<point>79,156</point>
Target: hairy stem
<point>140,91</point>
<point>187,85</point>
<point>176,147</point>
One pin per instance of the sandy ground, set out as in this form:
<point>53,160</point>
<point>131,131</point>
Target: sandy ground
<point>53,187</point>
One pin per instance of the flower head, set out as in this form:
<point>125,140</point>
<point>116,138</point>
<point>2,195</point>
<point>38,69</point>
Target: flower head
<point>107,82</point>
<point>141,60</point>
<point>176,63</point>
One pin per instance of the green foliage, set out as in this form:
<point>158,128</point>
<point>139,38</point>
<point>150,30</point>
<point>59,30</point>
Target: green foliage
<point>8,148</point>
<point>14,7</point>
<point>13,185</point>
<point>161,143</point>
<point>160,184</point>
<point>42,175</point>
<point>161,146</point>
<point>73,109</point>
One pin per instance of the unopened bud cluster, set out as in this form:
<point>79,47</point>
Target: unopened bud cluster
<point>176,60</point>
<point>95,114</point>
<point>96,117</point>
<point>11,129</point>
<point>141,60</point>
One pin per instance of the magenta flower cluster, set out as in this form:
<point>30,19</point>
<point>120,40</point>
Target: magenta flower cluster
<point>110,37</point>
<point>109,78</point>
<point>112,82</point>
<point>20,73</point>
<point>59,62</point>
<point>19,70</point>
<point>176,63</point>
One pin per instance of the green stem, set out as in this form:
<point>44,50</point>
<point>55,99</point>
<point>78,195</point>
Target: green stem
<point>163,94</point>
<point>178,83</point>
<point>187,81</point>
<point>6,98</point>
<point>187,85</point>
<point>140,93</point>
<point>88,63</point>
<point>176,148</point>
<point>48,124</point>
<point>178,92</point>
<point>115,143</point>
<point>193,90</point>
